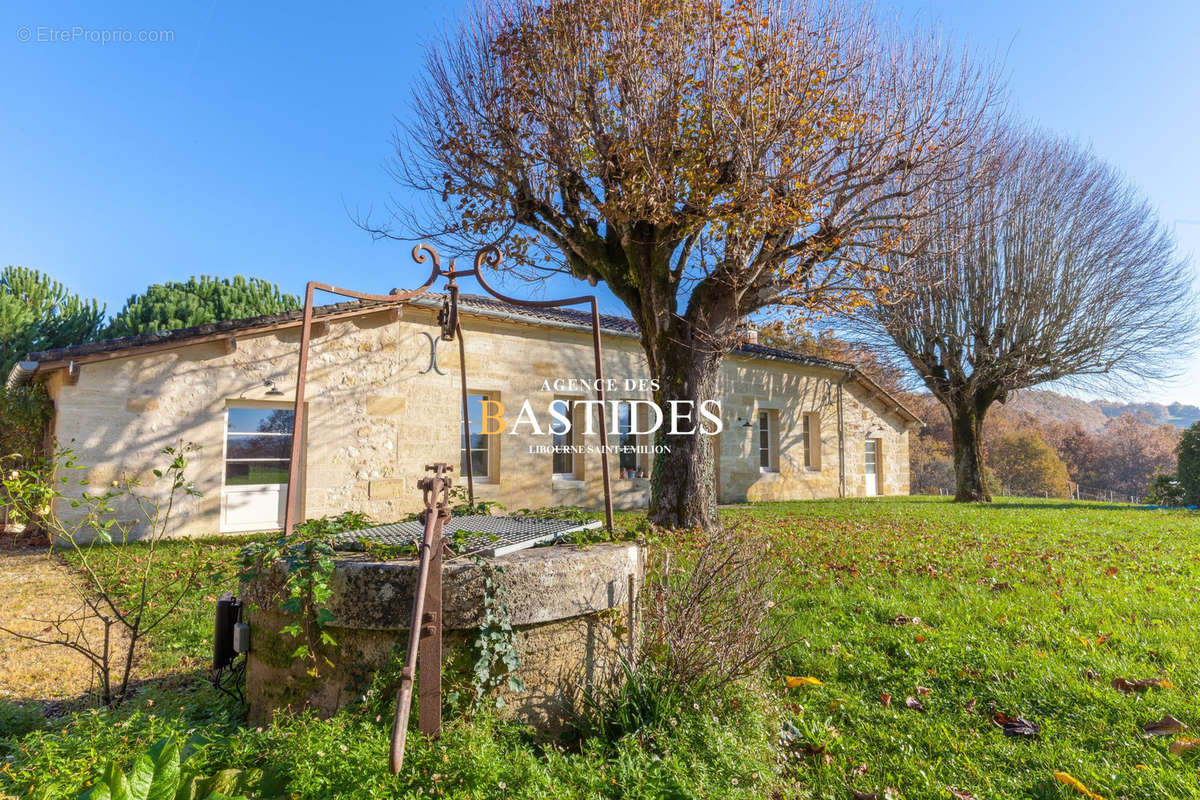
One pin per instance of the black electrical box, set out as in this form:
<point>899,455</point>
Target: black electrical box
<point>229,614</point>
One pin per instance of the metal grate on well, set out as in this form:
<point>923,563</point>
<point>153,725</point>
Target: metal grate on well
<point>487,535</point>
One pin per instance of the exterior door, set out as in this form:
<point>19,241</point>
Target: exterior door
<point>871,469</point>
<point>258,450</point>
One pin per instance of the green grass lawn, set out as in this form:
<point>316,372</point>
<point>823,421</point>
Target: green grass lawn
<point>1028,608</point>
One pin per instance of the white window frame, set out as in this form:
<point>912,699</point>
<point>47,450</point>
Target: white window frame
<point>571,440</point>
<point>465,449</point>
<point>225,459</point>
<point>812,440</point>
<point>768,423</point>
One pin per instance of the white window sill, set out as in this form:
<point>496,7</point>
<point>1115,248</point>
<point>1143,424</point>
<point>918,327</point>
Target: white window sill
<point>568,483</point>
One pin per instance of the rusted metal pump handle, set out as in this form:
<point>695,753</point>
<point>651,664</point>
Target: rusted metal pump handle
<point>436,489</point>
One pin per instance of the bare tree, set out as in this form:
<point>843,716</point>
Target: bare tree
<point>1050,267</point>
<point>706,159</point>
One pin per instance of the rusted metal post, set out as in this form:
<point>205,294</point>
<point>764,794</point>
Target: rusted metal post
<point>604,470</point>
<point>466,417</point>
<point>293,488</point>
<point>429,646</point>
<point>436,489</point>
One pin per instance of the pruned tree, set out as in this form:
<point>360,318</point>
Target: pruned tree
<point>196,301</point>
<point>706,159</point>
<point>1050,267</point>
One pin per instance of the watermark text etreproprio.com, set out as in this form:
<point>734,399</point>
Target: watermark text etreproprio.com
<point>43,34</point>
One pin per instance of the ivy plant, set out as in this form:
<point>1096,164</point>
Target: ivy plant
<point>308,558</point>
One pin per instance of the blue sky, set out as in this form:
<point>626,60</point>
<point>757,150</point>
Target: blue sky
<point>238,145</point>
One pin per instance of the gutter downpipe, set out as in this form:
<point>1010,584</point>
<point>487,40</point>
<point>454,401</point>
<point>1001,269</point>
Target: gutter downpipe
<point>841,438</point>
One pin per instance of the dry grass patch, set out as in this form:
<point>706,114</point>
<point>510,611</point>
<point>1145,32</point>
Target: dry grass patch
<point>38,587</point>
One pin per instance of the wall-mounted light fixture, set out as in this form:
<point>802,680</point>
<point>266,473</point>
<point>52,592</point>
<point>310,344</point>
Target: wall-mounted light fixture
<point>745,422</point>
<point>272,390</point>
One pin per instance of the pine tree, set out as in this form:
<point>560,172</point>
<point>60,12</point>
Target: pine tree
<point>38,313</point>
<point>174,305</point>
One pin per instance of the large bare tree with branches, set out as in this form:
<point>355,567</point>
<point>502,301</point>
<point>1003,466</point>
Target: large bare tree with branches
<point>1045,265</point>
<point>706,159</point>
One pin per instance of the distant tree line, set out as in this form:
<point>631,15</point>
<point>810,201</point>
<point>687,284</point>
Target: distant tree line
<point>1024,454</point>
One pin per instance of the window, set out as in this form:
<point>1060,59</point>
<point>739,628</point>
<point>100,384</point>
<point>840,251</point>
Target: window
<point>812,440</point>
<point>768,433</point>
<point>480,446</point>
<point>564,437</point>
<point>258,446</point>
<point>629,461</point>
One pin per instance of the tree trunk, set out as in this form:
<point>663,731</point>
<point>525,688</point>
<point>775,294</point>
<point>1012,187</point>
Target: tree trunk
<point>966,424</point>
<point>682,491</point>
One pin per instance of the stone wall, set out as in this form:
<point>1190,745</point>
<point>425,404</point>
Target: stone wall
<point>569,608</point>
<point>377,415</point>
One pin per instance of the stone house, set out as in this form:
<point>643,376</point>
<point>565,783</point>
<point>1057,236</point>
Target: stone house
<point>383,400</point>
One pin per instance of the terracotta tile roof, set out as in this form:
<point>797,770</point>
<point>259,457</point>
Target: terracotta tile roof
<point>470,303</point>
<point>489,306</point>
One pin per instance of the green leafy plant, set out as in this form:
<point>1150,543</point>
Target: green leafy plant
<point>1165,490</point>
<point>308,558</point>
<point>497,659</point>
<point>643,698</point>
<point>159,774</point>
<point>18,719</point>
<point>133,595</point>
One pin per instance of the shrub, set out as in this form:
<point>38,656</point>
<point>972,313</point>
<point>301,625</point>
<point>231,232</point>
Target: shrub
<point>708,619</point>
<point>1165,490</point>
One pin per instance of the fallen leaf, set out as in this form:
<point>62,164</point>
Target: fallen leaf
<point>890,793</point>
<point>1181,746</point>
<point>1015,726</point>
<point>1002,586</point>
<point>1128,685</point>
<point>970,706</point>
<point>1142,767</point>
<point>903,619</point>
<point>921,690</point>
<point>1111,571</point>
<point>838,704</point>
<point>914,704</point>
<point>960,794</point>
<point>918,638</point>
<point>807,680</point>
<point>1167,726</point>
<point>1074,783</point>
<point>886,699</point>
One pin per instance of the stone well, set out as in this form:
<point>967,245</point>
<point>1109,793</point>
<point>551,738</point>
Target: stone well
<point>568,605</point>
